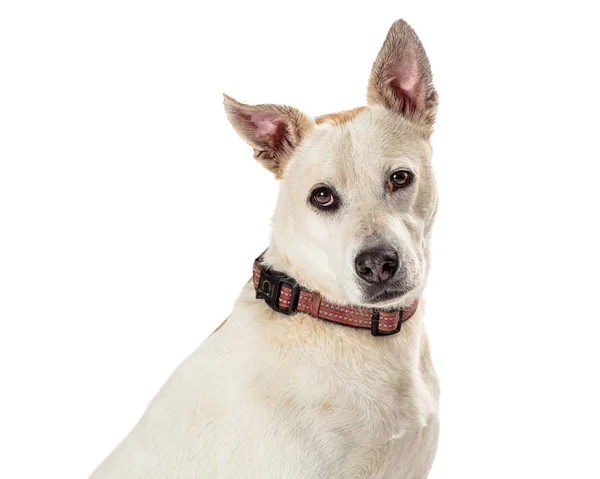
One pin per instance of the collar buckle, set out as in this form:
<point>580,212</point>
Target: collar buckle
<point>269,289</point>
<point>375,324</point>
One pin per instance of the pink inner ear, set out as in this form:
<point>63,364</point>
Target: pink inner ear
<point>405,73</point>
<point>265,122</point>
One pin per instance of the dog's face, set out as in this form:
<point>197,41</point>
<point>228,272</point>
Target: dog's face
<point>357,197</point>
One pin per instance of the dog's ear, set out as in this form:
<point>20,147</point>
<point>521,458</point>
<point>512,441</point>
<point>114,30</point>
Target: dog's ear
<point>273,131</point>
<point>401,77</point>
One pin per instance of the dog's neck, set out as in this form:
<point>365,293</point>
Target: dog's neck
<point>285,295</point>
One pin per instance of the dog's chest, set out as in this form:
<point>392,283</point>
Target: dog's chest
<point>361,429</point>
<point>358,408</point>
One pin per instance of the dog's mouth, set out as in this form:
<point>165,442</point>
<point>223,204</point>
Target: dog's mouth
<point>385,297</point>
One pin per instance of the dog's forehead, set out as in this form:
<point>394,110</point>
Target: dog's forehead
<point>358,146</point>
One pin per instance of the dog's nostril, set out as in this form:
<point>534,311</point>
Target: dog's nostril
<point>366,273</point>
<point>363,269</point>
<point>376,266</point>
<point>387,267</point>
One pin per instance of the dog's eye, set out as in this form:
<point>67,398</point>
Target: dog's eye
<point>400,179</point>
<point>323,197</point>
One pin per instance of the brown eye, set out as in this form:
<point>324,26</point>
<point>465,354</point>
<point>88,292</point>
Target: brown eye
<point>323,197</point>
<point>400,179</point>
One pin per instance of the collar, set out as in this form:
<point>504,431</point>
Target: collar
<point>284,295</point>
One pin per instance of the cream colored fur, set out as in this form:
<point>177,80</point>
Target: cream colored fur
<point>272,396</point>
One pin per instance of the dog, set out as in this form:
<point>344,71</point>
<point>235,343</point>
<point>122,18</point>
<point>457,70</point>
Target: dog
<point>323,368</point>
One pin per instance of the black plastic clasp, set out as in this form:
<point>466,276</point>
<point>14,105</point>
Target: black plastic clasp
<point>375,324</point>
<point>269,289</point>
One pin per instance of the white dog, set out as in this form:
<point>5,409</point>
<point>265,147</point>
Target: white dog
<point>323,368</point>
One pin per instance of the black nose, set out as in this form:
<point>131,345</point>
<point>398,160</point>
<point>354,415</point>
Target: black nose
<point>377,265</point>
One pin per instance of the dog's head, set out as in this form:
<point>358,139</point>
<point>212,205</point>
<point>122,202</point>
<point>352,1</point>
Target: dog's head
<point>357,197</point>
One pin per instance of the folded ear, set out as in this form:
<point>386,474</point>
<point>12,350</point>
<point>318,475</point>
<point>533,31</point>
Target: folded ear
<point>401,77</point>
<point>273,131</point>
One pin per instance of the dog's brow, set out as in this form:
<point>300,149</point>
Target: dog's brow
<point>340,117</point>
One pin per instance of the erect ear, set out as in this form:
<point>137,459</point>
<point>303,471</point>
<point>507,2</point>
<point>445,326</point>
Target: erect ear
<point>401,77</point>
<point>273,131</point>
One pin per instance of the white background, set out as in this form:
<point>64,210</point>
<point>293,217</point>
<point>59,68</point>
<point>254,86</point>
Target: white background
<point>130,212</point>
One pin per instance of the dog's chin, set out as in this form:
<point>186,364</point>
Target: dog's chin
<point>388,297</point>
